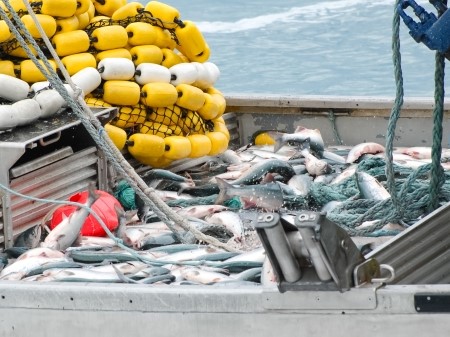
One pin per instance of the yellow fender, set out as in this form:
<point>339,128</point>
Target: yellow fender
<point>117,135</point>
<point>141,33</point>
<point>159,129</point>
<point>76,62</point>
<point>83,20</point>
<point>210,108</point>
<point>191,42</point>
<point>191,122</point>
<point>177,147</point>
<point>170,58</point>
<point>164,39</point>
<point>219,143</point>
<point>17,6</point>
<point>117,92</point>
<point>108,7</point>
<point>5,33</point>
<point>158,94</point>
<point>113,53</point>
<point>146,54</point>
<point>59,8</point>
<point>169,115</point>
<point>190,97</point>
<point>47,22</point>
<point>69,24</point>
<point>155,162</point>
<point>200,145</point>
<point>91,11</point>
<point>7,68</point>
<point>83,6</point>
<point>70,43</point>
<point>166,13</point>
<point>109,37</point>
<point>143,146</point>
<point>30,73</point>
<point>130,10</point>
<point>220,126</point>
<point>129,116</point>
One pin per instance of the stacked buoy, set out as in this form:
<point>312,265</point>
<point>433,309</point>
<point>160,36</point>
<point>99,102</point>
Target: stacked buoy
<point>142,59</point>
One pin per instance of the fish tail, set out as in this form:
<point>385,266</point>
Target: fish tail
<point>223,194</point>
<point>278,138</point>
<point>92,194</point>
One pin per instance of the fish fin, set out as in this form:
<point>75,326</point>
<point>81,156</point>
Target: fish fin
<point>223,195</point>
<point>278,138</point>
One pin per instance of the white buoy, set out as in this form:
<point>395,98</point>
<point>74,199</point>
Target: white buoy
<point>204,78</point>
<point>213,70</point>
<point>50,102</point>
<point>183,73</point>
<point>27,111</point>
<point>88,79</point>
<point>37,86</point>
<point>116,68</point>
<point>13,89</point>
<point>8,118</point>
<point>151,73</point>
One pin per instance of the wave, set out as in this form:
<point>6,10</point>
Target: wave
<point>312,13</point>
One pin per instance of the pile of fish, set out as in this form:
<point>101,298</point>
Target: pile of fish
<point>221,196</point>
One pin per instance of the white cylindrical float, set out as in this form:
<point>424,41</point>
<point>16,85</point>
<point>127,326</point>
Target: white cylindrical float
<point>26,111</point>
<point>115,68</point>
<point>151,73</point>
<point>183,73</point>
<point>13,89</point>
<point>8,118</point>
<point>87,79</point>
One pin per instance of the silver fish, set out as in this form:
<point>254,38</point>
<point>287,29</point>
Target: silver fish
<point>364,148</point>
<point>230,220</point>
<point>267,196</point>
<point>203,276</point>
<point>301,183</point>
<point>201,211</point>
<point>314,166</point>
<point>18,269</point>
<point>370,188</point>
<point>299,136</point>
<point>65,234</point>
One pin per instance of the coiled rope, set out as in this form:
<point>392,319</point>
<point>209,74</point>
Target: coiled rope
<point>93,125</point>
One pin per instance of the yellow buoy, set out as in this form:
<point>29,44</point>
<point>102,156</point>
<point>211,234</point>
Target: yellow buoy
<point>96,102</point>
<point>83,20</point>
<point>130,10</point>
<point>7,68</point>
<point>141,33</point>
<point>191,122</point>
<point>164,39</point>
<point>221,103</point>
<point>47,22</point>
<point>108,7</point>
<point>17,51</point>
<point>59,8</point>
<point>219,142</point>
<point>30,73</point>
<point>159,129</point>
<point>264,139</point>
<point>5,33</point>
<point>69,24</point>
<point>117,92</point>
<point>169,115</point>
<point>190,97</point>
<point>200,145</point>
<point>117,135</point>
<point>113,53</point>
<point>177,147</point>
<point>191,42</point>
<point>162,11</point>
<point>91,11</point>
<point>154,162</point>
<point>146,54</point>
<point>143,146</point>
<point>220,126</point>
<point>130,116</point>
<point>69,43</point>
<point>170,58</point>
<point>109,37</point>
<point>82,6</point>
<point>76,62</point>
<point>17,5</point>
<point>210,109</point>
<point>158,94</point>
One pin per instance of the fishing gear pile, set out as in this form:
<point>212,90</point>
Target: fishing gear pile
<point>142,59</point>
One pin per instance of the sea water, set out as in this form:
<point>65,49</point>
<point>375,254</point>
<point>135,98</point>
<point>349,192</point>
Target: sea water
<point>309,47</point>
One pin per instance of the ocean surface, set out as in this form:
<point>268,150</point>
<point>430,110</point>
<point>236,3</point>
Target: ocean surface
<point>309,47</point>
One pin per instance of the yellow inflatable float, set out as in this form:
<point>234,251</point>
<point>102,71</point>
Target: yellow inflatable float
<point>143,59</point>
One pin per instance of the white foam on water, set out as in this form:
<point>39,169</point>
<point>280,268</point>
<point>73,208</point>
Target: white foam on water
<point>319,12</point>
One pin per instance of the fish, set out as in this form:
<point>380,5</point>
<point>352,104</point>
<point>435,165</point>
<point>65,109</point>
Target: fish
<point>300,135</point>
<point>20,268</point>
<point>259,170</point>
<point>370,188</point>
<point>301,183</point>
<point>200,211</point>
<point>230,220</point>
<point>30,238</point>
<point>347,173</point>
<point>44,252</point>
<point>364,148</point>
<point>314,166</point>
<point>67,232</point>
<point>268,196</point>
<point>203,276</point>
